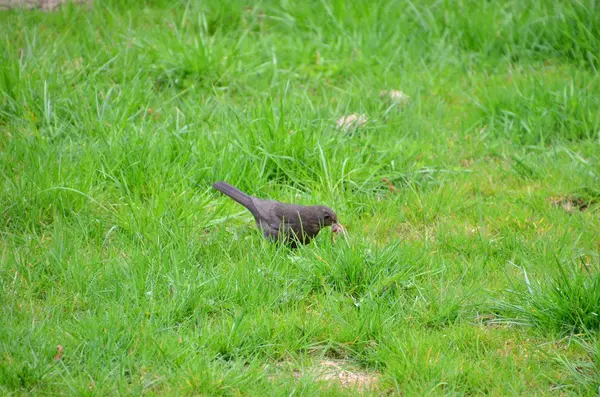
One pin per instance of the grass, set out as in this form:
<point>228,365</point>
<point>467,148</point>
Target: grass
<point>472,263</point>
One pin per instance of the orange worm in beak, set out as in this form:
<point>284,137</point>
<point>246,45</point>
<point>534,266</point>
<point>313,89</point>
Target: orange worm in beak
<point>335,229</point>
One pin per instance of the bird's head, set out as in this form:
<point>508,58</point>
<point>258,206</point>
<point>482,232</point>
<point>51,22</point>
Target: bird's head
<point>328,218</point>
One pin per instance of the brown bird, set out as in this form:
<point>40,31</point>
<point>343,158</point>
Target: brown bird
<point>290,223</point>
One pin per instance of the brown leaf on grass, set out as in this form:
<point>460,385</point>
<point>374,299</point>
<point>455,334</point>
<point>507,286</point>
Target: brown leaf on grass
<point>570,204</point>
<point>396,96</point>
<point>44,5</point>
<point>155,114</point>
<point>59,352</point>
<point>467,163</point>
<point>351,121</point>
<point>391,186</point>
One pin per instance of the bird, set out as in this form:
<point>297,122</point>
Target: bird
<point>291,224</point>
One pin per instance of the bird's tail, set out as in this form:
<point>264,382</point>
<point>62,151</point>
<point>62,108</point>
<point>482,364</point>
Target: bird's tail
<point>235,194</point>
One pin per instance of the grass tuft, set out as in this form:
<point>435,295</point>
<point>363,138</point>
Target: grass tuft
<point>567,302</point>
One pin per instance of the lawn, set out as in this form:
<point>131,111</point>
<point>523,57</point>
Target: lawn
<point>468,182</point>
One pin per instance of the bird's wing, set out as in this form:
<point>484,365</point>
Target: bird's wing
<point>289,215</point>
<point>267,218</point>
<point>298,222</point>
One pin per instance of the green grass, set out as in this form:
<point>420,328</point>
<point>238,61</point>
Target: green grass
<point>478,273</point>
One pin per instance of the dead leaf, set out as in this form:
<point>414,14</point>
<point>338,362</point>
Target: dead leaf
<point>351,121</point>
<point>44,5</point>
<point>570,204</point>
<point>391,186</point>
<point>59,352</point>
<point>467,163</point>
<point>396,96</point>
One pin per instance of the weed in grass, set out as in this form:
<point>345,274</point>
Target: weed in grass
<point>585,369</point>
<point>567,302</point>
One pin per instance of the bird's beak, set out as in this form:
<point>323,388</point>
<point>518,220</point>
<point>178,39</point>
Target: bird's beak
<point>337,228</point>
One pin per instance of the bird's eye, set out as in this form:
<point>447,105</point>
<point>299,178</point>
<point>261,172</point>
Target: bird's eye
<point>327,217</point>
